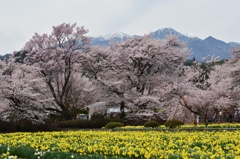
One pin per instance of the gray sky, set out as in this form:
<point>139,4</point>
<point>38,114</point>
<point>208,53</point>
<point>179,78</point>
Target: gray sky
<point>20,19</point>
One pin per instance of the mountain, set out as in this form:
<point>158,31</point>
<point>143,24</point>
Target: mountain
<point>199,48</point>
<point>233,44</point>
<point>217,47</point>
<point>106,39</point>
<point>2,57</point>
<point>162,33</point>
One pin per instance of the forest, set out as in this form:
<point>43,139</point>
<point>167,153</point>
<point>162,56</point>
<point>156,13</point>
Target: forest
<point>62,73</point>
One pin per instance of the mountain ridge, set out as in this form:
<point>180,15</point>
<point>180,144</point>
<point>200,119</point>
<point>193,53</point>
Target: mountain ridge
<point>199,47</point>
<point>2,57</point>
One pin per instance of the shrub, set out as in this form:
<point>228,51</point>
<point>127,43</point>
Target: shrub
<point>99,123</point>
<point>81,111</point>
<point>45,127</point>
<point>28,126</point>
<point>112,125</point>
<point>134,120</point>
<point>173,123</point>
<point>24,125</point>
<point>48,120</point>
<point>94,123</point>
<point>22,152</point>
<point>152,124</point>
<point>97,116</point>
<point>71,123</point>
<point>6,126</point>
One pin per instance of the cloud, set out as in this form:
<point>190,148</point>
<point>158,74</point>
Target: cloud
<point>20,19</point>
<point>200,18</point>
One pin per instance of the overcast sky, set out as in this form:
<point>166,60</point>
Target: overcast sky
<point>20,19</point>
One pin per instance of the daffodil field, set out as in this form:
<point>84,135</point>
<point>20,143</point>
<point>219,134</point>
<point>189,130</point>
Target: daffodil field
<point>122,144</point>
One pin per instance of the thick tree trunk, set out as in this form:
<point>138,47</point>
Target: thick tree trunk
<point>185,104</point>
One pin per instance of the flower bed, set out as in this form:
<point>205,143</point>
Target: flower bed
<point>190,126</point>
<point>121,144</point>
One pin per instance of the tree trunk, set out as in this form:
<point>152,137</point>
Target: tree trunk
<point>205,119</point>
<point>194,120</point>
<point>122,106</point>
<point>185,104</point>
<point>66,114</point>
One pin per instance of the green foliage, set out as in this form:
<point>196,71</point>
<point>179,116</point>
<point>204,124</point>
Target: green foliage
<point>112,125</point>
<point>56,117</point>
<point>48,120</point>
<point>173,123</point>
<point>81,111</point>
<point>71,123</point>
<point>23,152</point>
<point>31,153</point>
<point>152,124</point>
<point>60,155</point>
<point>97,116</point>
<point>94,123</point>
<point>26,126</point>
<point>3,149</point>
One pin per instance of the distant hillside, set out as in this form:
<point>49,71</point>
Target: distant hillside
<point>200,48</point>
<point>106,39</point>
<point>4,56</point>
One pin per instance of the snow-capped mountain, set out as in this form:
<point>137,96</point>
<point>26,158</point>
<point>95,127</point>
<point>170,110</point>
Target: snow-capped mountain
<point>105,39</point>
<point>121,36</point>
<point>162,33</point>
<point>199,47</point>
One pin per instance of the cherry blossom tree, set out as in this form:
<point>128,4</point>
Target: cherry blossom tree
<point>134,73</point>
<point>18,98</point>
<point>60,73</point>
<point>206,90</point>
<point>230,73</point>
<point>234,65</point>
<point>56,57</point>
